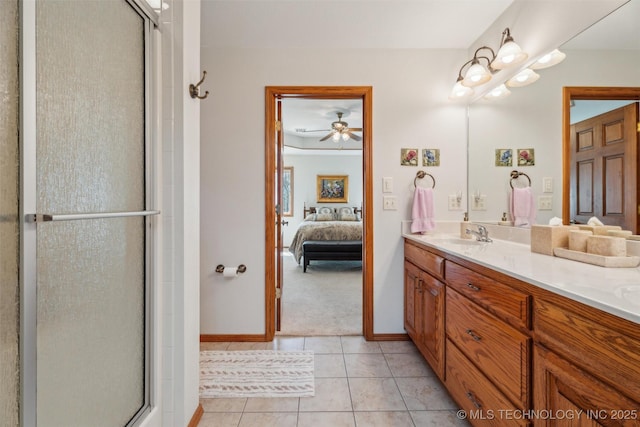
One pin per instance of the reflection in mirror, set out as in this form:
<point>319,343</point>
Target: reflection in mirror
<point>600,155</point>
<point>530,120</point>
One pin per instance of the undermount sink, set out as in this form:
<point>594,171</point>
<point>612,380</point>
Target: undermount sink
<point>456,241</point>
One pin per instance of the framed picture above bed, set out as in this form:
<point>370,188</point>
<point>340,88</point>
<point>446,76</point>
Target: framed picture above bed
<point>332,188</point>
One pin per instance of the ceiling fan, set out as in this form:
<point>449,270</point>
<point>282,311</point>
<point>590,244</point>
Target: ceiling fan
<point>339,130</point>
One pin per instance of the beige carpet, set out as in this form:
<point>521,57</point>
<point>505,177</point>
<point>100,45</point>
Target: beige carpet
<point>326,300</point>
<point>256,373</point>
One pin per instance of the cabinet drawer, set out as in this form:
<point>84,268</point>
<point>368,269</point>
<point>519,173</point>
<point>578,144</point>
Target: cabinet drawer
<point>424,259</point>
<point>499,350</point>
<point>484,403</point>
<point>609,353</point>
<point>500,299</point>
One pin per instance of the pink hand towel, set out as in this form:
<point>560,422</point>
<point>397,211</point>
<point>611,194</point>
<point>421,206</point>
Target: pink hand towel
<point>523,210</point>
<point>422,212</point>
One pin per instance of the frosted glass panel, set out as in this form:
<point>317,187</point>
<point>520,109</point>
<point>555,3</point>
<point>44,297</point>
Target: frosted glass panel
<point>9,226</point>
<point>90,158</point>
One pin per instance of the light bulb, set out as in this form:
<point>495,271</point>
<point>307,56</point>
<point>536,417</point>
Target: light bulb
<point>336,137</point>
<point>476,75</point>
<point>509,55</point>
<point>550,59</point>
<point>497,93</point>
<point>460,92</point>
<point>523,78</point>
<point>345,136</point>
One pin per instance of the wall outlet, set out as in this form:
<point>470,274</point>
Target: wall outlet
<point>455,203</point>
<point>387,184</point>
<point>545,203</point>
<point>547,184</point>
<point>389,203</point>
<point>478,203</point>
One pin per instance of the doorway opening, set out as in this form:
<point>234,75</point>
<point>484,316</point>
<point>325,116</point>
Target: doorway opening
<point>275,211</point>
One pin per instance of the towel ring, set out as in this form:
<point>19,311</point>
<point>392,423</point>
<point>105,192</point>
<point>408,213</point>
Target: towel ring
<point>516,175</point>
<point>422,174</point>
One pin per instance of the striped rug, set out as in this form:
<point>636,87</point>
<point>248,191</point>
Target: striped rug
<point>256,373</point>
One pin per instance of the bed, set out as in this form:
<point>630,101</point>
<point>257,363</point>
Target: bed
<point>329,234</point>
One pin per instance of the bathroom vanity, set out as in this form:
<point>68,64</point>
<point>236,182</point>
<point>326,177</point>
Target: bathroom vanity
<point>521,338</point>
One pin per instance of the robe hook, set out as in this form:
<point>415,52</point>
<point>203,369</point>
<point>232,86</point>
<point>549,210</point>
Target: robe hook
<point>194,90</point>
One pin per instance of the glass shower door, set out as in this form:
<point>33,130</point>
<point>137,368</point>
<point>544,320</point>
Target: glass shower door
<point>92,223</point>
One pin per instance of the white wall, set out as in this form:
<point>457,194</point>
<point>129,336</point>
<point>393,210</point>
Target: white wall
<point>410,109</point>
<point>305,170</point>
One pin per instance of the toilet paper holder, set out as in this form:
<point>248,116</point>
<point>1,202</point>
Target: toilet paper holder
<point>241,268</point>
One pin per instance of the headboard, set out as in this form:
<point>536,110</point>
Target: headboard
<point>313,209</point>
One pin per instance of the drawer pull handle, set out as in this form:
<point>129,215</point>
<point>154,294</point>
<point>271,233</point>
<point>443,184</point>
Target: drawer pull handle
<point>473,335</point>
<point>419,286</point>
<point>473,400</point>
<point>473,287</point>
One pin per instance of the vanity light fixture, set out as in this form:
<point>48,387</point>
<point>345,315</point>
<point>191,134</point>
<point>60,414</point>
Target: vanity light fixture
<point>485,63</point>
<point>523,78</point>
<point>550,59</point>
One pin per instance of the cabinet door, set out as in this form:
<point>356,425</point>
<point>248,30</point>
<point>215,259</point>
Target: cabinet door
<point>412,301</point>
<point>433,322</point>
<point>566,395</point>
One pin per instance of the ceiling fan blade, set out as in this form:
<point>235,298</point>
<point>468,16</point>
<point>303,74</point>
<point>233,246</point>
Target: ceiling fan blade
<point>355,129</point>
<point>328,136</point>
<point>353,136</point>
<point>314,130</point>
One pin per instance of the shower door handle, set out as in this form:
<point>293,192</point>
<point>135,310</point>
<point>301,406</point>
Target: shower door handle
<point>72,217</point>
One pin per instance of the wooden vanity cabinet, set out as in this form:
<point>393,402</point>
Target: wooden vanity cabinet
<point>517,354</point>
<point>424,305</point>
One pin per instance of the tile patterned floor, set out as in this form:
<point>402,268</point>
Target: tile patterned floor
<point>358,383</point>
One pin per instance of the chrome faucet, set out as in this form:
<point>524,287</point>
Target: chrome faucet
<point>482,235</point>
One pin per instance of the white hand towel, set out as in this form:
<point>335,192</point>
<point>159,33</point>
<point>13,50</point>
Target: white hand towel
<point>523,209</point>
<point>422,211</point>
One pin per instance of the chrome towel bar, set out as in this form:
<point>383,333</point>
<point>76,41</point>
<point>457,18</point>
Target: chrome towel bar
<point>72,217</point>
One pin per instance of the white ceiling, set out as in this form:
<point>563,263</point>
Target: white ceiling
<point>361,24</point>
<point>396,24</point>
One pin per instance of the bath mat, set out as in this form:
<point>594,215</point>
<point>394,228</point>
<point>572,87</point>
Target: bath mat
<point>256,373</point>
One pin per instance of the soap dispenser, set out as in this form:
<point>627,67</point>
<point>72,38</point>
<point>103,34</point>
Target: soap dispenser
<point>463,227</point>
<point>505,220</point>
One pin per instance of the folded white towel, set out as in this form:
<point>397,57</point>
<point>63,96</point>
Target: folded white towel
<point>422,211</point>
<point>523,210</point>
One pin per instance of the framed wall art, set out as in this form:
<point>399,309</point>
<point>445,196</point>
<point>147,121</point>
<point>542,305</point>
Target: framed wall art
<point>504,157</point>
<point>526,157</point>
<point>409,157</point>
<point>332,188</point>
<point>431,157</point>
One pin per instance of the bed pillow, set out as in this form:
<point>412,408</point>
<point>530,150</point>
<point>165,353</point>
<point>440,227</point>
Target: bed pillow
<point>310,217</point>
<point>348,217</point>
<point>325,210</point>
<point>325,217</point>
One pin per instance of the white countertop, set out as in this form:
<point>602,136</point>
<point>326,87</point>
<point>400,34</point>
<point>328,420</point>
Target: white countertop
<point>613,290</point>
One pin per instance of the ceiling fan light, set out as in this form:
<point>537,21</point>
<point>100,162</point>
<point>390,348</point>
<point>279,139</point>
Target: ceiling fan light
<point>549,60</point>
<point>476,75</point>
<point>336,137</point>
<point>509,55</point>
<point>497,93</point>
<point>345,136</point>
<point>523,78</point>
<point>460,91</point>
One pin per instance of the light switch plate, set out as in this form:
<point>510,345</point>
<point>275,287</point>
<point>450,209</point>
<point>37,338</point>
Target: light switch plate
<point>545,203</point>
<point>547,184</point>
<point>387,184</point>
<point>389,203</point>
<point>478,203</point>
<point>455,203</point>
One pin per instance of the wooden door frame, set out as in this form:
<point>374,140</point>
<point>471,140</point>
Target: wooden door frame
<point>583,93</point>
<point>365,93</point>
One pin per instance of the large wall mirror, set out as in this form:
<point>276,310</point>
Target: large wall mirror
<point>607,54</point>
